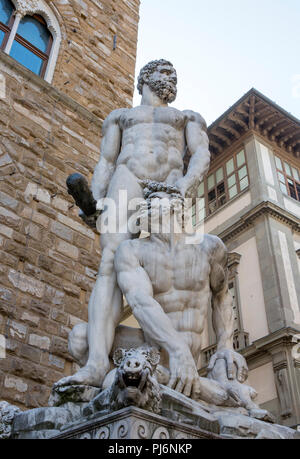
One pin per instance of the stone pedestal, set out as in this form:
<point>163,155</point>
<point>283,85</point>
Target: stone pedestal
<point>134,423</point>
<point>180,418</point>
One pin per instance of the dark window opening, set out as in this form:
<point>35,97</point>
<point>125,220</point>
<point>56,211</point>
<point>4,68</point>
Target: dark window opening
<point>289,178</point>
<point>211,195</point>
<point>292,189</point>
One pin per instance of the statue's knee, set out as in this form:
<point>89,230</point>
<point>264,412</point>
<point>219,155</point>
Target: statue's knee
<point>79,332</point>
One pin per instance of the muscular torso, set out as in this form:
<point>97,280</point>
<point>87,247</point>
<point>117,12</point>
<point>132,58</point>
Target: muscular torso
<point>153,142</point>
<point>180,278</point>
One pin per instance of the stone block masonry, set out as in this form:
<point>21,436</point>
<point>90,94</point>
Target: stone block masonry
<point>48,257</point>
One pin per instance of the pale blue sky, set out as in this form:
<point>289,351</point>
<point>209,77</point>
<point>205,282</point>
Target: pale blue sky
<point>222,48</point>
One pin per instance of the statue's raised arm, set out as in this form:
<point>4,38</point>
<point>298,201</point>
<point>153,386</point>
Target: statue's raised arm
<point>198,146</point>
<point>110,149</point>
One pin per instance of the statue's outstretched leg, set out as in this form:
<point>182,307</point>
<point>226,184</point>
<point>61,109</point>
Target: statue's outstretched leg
<point>105,312</point>
<point>106,301</point>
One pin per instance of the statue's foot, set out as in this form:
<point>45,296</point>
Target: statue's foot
<point>213,392</point>
<point>86,376</point>
<point>262,415</point>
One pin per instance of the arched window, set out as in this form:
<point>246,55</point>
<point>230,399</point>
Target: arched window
<point>6,21</point>
<point>32,44</point>
<point>27,37</point>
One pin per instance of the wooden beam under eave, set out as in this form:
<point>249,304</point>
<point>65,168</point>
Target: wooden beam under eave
<point>278,134</point>
<point>252,111</point>
<point>268,129</point>
<point>265,119</point>
<point>242,112</point>
<point>281,143</point>
<point>271,121</point>
<point>294,144</point>
<point>293,140</point>
<point>289,136</point>
<point>216,132</point>
<point>238,118</point>
<point>216,146</point>
<point>231,127</point>
<point>265,109</point>
<point>287,132</point>
<point>282,126</point>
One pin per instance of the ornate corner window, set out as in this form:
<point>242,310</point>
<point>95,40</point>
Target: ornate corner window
<point>289,178</point>
<point>30,33</point>
<point>221,185</point>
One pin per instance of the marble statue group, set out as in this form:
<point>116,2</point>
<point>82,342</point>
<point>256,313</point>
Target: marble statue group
<point>168,284</point>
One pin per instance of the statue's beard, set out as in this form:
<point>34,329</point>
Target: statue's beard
<point>153,221</point>
<point>165,90</point>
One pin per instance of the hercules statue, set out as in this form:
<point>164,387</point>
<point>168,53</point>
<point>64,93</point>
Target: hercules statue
<point>167,283</point>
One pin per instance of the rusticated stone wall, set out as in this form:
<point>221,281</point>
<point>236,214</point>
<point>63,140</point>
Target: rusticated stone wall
<point>97,56</point>
<point>48,257</point>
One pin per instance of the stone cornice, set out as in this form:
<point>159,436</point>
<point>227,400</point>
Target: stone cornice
<point>281,338</point>
<point>234,259</point>
<point>264,208</point>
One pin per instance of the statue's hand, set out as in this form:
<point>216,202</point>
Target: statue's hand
<point>184,377</point>
<point>231,358</point>
<point>90,220</point>
<point>182,186</point>
<point>187,189</point>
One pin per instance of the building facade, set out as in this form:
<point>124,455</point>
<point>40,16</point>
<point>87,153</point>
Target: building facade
<point>64,66</point>
<point>251,200</point>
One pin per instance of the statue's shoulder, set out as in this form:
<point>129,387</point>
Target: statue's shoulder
<point>195,117</point>
<point>127,251</point>
<point>215,247</point>
<point>125,246</point>
<point>114,117</point>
